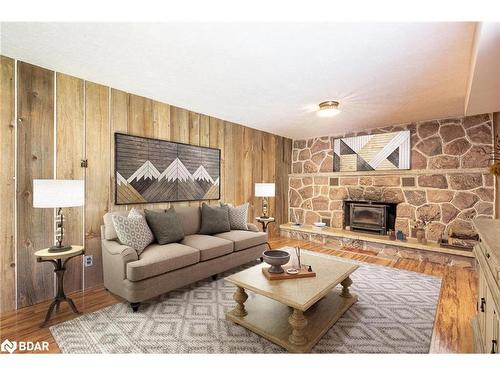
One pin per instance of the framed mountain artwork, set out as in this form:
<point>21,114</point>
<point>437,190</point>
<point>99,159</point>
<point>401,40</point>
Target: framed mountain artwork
<point>152,170</point>
<point>375,152</point>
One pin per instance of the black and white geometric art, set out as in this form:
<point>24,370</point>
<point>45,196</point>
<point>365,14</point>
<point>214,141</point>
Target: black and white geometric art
<point>152,170</point>
<point>373,152</point>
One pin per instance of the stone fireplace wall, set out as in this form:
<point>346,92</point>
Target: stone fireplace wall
<point>448,182</point>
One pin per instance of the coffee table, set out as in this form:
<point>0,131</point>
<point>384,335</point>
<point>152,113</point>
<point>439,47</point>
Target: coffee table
<point>294,313</point>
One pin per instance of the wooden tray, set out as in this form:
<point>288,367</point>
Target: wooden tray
<point>285,276</point>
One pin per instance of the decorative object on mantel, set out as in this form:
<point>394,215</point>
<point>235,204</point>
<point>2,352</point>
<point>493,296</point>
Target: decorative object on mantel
<point>295,222</point>
<point>400,236</point>
<point>58,194</point>
<point>495,157</point>
<point>392,235</point>
<point>276,259</point>
<point>151,170</point>
<point>265,190</point>
<point>319,225</point>
<point>459,241</point>
<point>386,151</point>
<point>420,226</point>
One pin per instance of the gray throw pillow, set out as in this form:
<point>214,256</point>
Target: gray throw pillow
<point>214,219</point>
<point>133,230</point>
<point>237,216</point>
<point>165,226</point>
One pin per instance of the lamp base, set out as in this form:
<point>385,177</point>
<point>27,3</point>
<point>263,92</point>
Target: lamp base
<point>57,249</point>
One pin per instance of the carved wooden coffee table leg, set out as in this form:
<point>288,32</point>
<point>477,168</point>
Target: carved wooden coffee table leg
<point>345,288</point>
<point>298,323</point>
<point>240,296</point>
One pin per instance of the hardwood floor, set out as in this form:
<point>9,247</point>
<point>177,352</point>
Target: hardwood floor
<point>452,332</point>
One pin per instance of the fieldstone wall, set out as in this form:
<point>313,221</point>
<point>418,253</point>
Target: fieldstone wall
<point>448,183</point>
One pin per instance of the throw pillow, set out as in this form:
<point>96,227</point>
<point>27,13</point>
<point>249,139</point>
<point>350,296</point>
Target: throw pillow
<point>214,219</point>
<point>133,230</point>
<point>165,226</point>
<point>237,216</point>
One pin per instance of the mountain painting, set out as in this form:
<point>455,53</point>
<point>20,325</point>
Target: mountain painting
<point>152,170</point>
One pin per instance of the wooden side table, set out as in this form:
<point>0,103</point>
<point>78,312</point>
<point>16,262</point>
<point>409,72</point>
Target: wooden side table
<point>265,221</point>
<point>59,261</point>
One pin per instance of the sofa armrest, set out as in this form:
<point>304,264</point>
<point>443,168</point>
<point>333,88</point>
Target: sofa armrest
<point>252,227</point>
<point>114,248</point>
<point>115,257</point>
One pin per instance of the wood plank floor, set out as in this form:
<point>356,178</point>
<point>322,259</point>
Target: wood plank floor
<point>452,332</point>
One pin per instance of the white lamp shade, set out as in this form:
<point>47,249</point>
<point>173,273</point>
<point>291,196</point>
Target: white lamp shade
<point>58,193</point>
<point>265,190</point>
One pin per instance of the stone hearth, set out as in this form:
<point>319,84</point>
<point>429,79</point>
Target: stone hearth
<point>380,246</point>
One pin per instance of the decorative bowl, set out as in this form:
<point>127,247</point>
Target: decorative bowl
<point>319,224</point>
<point>276,258</point>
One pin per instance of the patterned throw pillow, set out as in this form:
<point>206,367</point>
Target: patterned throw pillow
<point>133,230</point>
<point>237,216</point>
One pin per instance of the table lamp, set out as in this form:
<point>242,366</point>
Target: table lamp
<point>58,194</point>
<point>264,190</point>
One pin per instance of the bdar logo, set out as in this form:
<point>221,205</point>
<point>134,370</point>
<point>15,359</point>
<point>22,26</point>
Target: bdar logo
<point>8,346</point>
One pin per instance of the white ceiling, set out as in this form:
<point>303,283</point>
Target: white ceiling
<point>484,94</point>
<point>272,76</point>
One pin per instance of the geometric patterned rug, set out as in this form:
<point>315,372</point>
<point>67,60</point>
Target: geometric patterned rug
<point>394,314</point>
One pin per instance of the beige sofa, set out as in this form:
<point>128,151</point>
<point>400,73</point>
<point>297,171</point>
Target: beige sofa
<point>162,268</point>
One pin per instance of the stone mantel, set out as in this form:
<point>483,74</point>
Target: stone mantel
<point>406,172</point>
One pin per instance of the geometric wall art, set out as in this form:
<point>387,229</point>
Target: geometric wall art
<point>151,170</point>
<point>374,152</point>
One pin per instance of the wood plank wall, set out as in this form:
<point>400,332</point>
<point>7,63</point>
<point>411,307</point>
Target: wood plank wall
<point>70,127</point>
<point>35,159</point>
<point>7,185</point>
<point>63,119</point>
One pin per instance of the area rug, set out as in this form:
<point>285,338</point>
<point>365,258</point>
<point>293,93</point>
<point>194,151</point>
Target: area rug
<point>395,314</point>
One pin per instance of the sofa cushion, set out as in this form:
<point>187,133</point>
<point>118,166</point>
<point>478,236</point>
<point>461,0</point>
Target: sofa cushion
<point>210,247</point>
<point>158,259</point>
<point>190,219</point>
<point>133,230</point>
<point>214,219</point>
<point>244,239</point>
<point>237,216</point>
<point>109,226</point>
<point>165,226</point>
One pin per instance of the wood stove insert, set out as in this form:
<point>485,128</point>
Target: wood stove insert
<point>367,216</point>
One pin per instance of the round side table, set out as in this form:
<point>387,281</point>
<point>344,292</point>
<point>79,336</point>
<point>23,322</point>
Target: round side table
<point>59,261</point>
<point>265,222</point>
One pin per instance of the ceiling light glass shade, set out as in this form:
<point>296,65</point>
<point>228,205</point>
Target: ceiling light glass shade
<point>58,193</point>
<point>264,190</point>
<point>328,109</point>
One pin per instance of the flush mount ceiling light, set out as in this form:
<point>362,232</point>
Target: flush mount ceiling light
<point>328,109</point>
